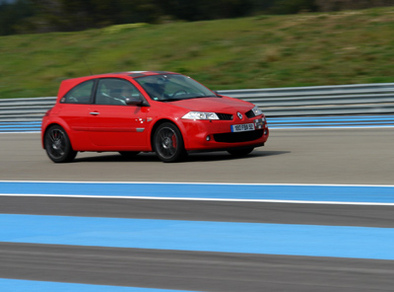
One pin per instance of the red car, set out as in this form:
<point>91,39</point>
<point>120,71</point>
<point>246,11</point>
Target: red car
<point>164,112</point>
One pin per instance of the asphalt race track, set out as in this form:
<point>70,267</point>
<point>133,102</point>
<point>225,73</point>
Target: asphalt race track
<point>323,156</point>
<point>311,211</point>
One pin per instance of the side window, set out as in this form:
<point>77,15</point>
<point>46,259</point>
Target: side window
<point>112,91</point>
<point>80,93</point>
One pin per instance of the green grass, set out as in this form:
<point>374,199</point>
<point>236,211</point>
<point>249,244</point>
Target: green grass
<point>350,47</point>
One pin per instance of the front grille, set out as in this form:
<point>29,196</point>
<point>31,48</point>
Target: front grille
<point>238,137</point>
<point>250,114</point>
<point>227,117</point>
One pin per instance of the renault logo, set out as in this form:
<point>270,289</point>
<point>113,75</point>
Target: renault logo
<point>239,115</point>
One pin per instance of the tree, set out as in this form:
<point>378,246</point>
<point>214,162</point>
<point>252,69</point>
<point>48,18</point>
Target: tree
<point>293,6</point>
<point>335,5</point>
<point>13,14</point>
<point>74,15</point>
<point>193,10</point>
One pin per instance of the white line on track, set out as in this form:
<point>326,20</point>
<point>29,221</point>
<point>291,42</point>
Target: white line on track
<point>200,199</point>
<point>284,201</point>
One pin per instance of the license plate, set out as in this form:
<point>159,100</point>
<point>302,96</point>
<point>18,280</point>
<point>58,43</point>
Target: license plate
<point>242,127</point>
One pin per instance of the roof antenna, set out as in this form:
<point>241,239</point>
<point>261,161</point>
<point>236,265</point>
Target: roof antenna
<point>87,65</point>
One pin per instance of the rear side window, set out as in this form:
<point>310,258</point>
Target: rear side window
<point>80,93</point>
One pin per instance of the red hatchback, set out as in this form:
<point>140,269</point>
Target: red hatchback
<point>164,112</point>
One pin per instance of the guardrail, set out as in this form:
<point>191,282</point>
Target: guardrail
<point>364,99</point>
<point>321,100</point>
<point>25,109</point>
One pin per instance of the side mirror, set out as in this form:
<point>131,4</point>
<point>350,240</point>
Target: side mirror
<point>136,101</point>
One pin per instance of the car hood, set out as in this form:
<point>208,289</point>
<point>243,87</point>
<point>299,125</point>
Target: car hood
<point>214,104</point>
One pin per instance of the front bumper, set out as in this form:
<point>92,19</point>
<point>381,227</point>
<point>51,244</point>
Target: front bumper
<point>219,134</point>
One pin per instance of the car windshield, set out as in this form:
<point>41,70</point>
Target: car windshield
<point>172,87</point>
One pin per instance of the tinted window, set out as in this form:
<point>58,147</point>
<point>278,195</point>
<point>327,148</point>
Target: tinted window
<point>80,93</point>
<point>115,92</point>
<point>173,87</point>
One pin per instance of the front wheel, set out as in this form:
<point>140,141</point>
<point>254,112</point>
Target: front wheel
<point>57,145</point>
<point>168,143</point>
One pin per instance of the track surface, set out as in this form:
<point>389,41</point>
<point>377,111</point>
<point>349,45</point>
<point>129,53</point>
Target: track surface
<point>345,156</point>
<point>340,156</point>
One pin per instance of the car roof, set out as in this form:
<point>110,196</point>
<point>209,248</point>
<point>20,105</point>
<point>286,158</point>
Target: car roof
<point>133,74</point>
<point>67,84</point>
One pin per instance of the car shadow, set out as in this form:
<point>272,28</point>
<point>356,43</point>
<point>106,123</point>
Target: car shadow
<point>192,157</point>
<point>223,155</point>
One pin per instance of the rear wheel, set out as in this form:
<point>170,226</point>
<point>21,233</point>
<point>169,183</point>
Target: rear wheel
<point>168,143</point>
<point>240,152</point>
<point>57,145</point>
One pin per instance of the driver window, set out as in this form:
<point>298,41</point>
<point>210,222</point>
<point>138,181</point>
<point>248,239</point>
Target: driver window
<point>112,91</point>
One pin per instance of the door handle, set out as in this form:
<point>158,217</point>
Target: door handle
<point>94,113</point>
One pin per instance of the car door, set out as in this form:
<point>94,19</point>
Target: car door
<point>115,125</point>
<point>74,109</point>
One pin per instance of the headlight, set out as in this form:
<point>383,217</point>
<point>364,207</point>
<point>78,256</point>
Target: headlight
<point>200,116</point>
<point>257,111</point>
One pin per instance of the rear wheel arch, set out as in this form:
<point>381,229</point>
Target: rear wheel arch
<point>64,126</point>
<point>57,144</point>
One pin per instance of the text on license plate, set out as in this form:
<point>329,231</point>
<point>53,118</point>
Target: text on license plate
<point>242,127</point>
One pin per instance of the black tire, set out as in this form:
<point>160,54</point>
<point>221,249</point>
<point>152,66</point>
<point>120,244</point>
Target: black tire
<point>129,154</point>
<point>168,143</point>
<point>57,145</point>
<point>240,152</point>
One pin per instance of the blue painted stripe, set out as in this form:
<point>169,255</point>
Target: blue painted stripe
<point>259,238</point>
<point>355,123</point>
<point>19,125</point>
<point>336,121</point>
<point>301,127</point>
<point>20,131</point>
<point>12,285</point>
<point>13,127</point>
<point>360,124</point>
<point>330,193</point>
<point>389,118</point>
<point>280,122</point>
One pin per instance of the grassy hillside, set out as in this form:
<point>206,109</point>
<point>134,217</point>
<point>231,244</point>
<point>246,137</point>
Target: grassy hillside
<point>350,47</point>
